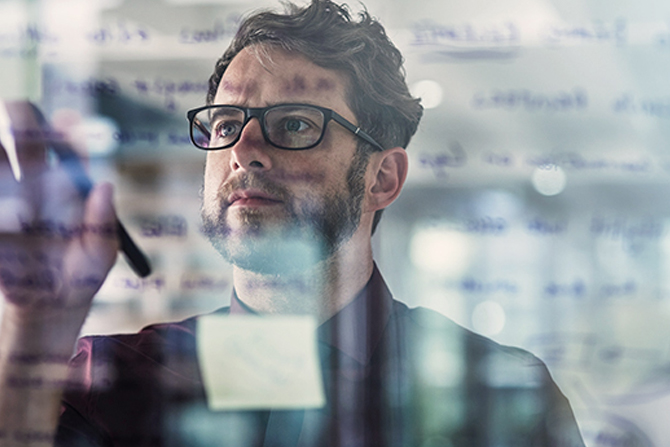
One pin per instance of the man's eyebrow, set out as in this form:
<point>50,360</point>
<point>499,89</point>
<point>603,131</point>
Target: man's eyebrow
<point>220,112</point>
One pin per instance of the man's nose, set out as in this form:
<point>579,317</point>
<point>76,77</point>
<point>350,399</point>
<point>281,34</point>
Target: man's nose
<point>251,150</point>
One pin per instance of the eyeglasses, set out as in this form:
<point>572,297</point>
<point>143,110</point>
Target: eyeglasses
<point>286,126</point>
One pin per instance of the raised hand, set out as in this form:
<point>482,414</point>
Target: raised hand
<point>56,249</point>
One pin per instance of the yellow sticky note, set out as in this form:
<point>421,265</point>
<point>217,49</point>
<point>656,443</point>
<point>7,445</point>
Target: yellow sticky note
<point>260,362</point>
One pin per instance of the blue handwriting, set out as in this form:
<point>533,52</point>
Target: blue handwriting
<point>163,226</point>
<point>524,99</point>
<point>8,257</point>
<point>499,159</point>
<point>486,225</point>
<point>596,32</point>
<point>164,88</point>
<point>623,229</point>
<point>544,227</point>
<point>574,289</point>
<point>141,284</point>
<point>626,289</point>
<point>203,282</point>
<point>220,31</point>
<point>572,161</point>
<point>655,107</point>
<point>578,289</point>
<point>169,89</point>
<point>438,163</point>
<point>87,87</point>
<point>429,32</point>
<point>25,41</point>
<point>466,41</point>
<point>35,280</point>
<point>30,34</point>
<point>142,137</point>
<point>473,285</point>
<point>130,137</point>
<point>119,32</point>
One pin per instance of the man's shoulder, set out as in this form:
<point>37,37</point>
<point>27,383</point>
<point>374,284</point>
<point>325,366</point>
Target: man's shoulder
<point>149,342</point>
<point>445,355</point>
<point>426,325</point>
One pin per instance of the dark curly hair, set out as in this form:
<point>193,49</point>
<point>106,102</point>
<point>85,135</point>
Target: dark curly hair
<point>325,34</point>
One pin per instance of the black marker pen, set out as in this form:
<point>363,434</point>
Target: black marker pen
<point>70,161</point>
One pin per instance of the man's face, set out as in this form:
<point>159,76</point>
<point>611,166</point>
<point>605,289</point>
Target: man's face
<point>272,210</point>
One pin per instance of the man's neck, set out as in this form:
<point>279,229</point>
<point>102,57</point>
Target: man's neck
<point>321,290</point>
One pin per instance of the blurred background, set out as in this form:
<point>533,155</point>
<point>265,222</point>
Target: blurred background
<point>536,210</point>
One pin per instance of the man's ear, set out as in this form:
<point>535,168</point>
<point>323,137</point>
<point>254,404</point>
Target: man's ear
<point>389,170</point>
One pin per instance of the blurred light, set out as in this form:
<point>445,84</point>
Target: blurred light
<point>440,250</point>
<point>497,202</point>
<point>90,135</point>
<point>429,91</point>
<point>488,318</point>
<point>443,368</point>
<point>97,134</point>
<point>549,180</point>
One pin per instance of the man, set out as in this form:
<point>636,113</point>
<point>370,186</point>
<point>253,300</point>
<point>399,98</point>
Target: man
<point>307,119</point>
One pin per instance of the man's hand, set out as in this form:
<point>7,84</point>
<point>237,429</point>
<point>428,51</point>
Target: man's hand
<point>57,258</point>
<point>56,249</point>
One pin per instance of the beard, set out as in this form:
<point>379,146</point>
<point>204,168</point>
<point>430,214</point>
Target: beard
<point>304,234</point>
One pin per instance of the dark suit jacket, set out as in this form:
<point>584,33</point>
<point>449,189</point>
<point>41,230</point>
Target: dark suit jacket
<point>393,376</point>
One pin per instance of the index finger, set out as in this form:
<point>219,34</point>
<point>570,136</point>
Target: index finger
<point>23,139</point>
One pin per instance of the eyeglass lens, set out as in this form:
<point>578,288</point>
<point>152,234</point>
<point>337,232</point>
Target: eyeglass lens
<point>286,126</point>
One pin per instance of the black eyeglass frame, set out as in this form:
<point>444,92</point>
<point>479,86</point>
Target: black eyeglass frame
<point>260,112</point>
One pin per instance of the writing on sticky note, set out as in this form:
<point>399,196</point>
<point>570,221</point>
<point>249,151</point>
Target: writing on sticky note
<point>260,362</point>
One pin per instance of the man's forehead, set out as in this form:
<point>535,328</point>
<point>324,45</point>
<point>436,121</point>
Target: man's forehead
<point>298,84</point>
<point>246,87</point>
<point>286,74</point>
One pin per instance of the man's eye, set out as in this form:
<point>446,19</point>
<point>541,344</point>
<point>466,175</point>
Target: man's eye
<point>225,129</point>
<point>295,125</point>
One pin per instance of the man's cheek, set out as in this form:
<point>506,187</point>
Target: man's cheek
<point>210,206</point>
<point>309,206</point>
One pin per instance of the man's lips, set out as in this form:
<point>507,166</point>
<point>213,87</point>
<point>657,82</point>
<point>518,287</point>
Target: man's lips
<point>251,198</point>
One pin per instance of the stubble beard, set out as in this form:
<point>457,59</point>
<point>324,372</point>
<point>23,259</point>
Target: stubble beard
<point>300,237</point>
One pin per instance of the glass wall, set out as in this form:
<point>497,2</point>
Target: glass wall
<point>535,208</point>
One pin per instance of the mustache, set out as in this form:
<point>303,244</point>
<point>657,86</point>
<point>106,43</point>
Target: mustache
<point>253,181</point>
